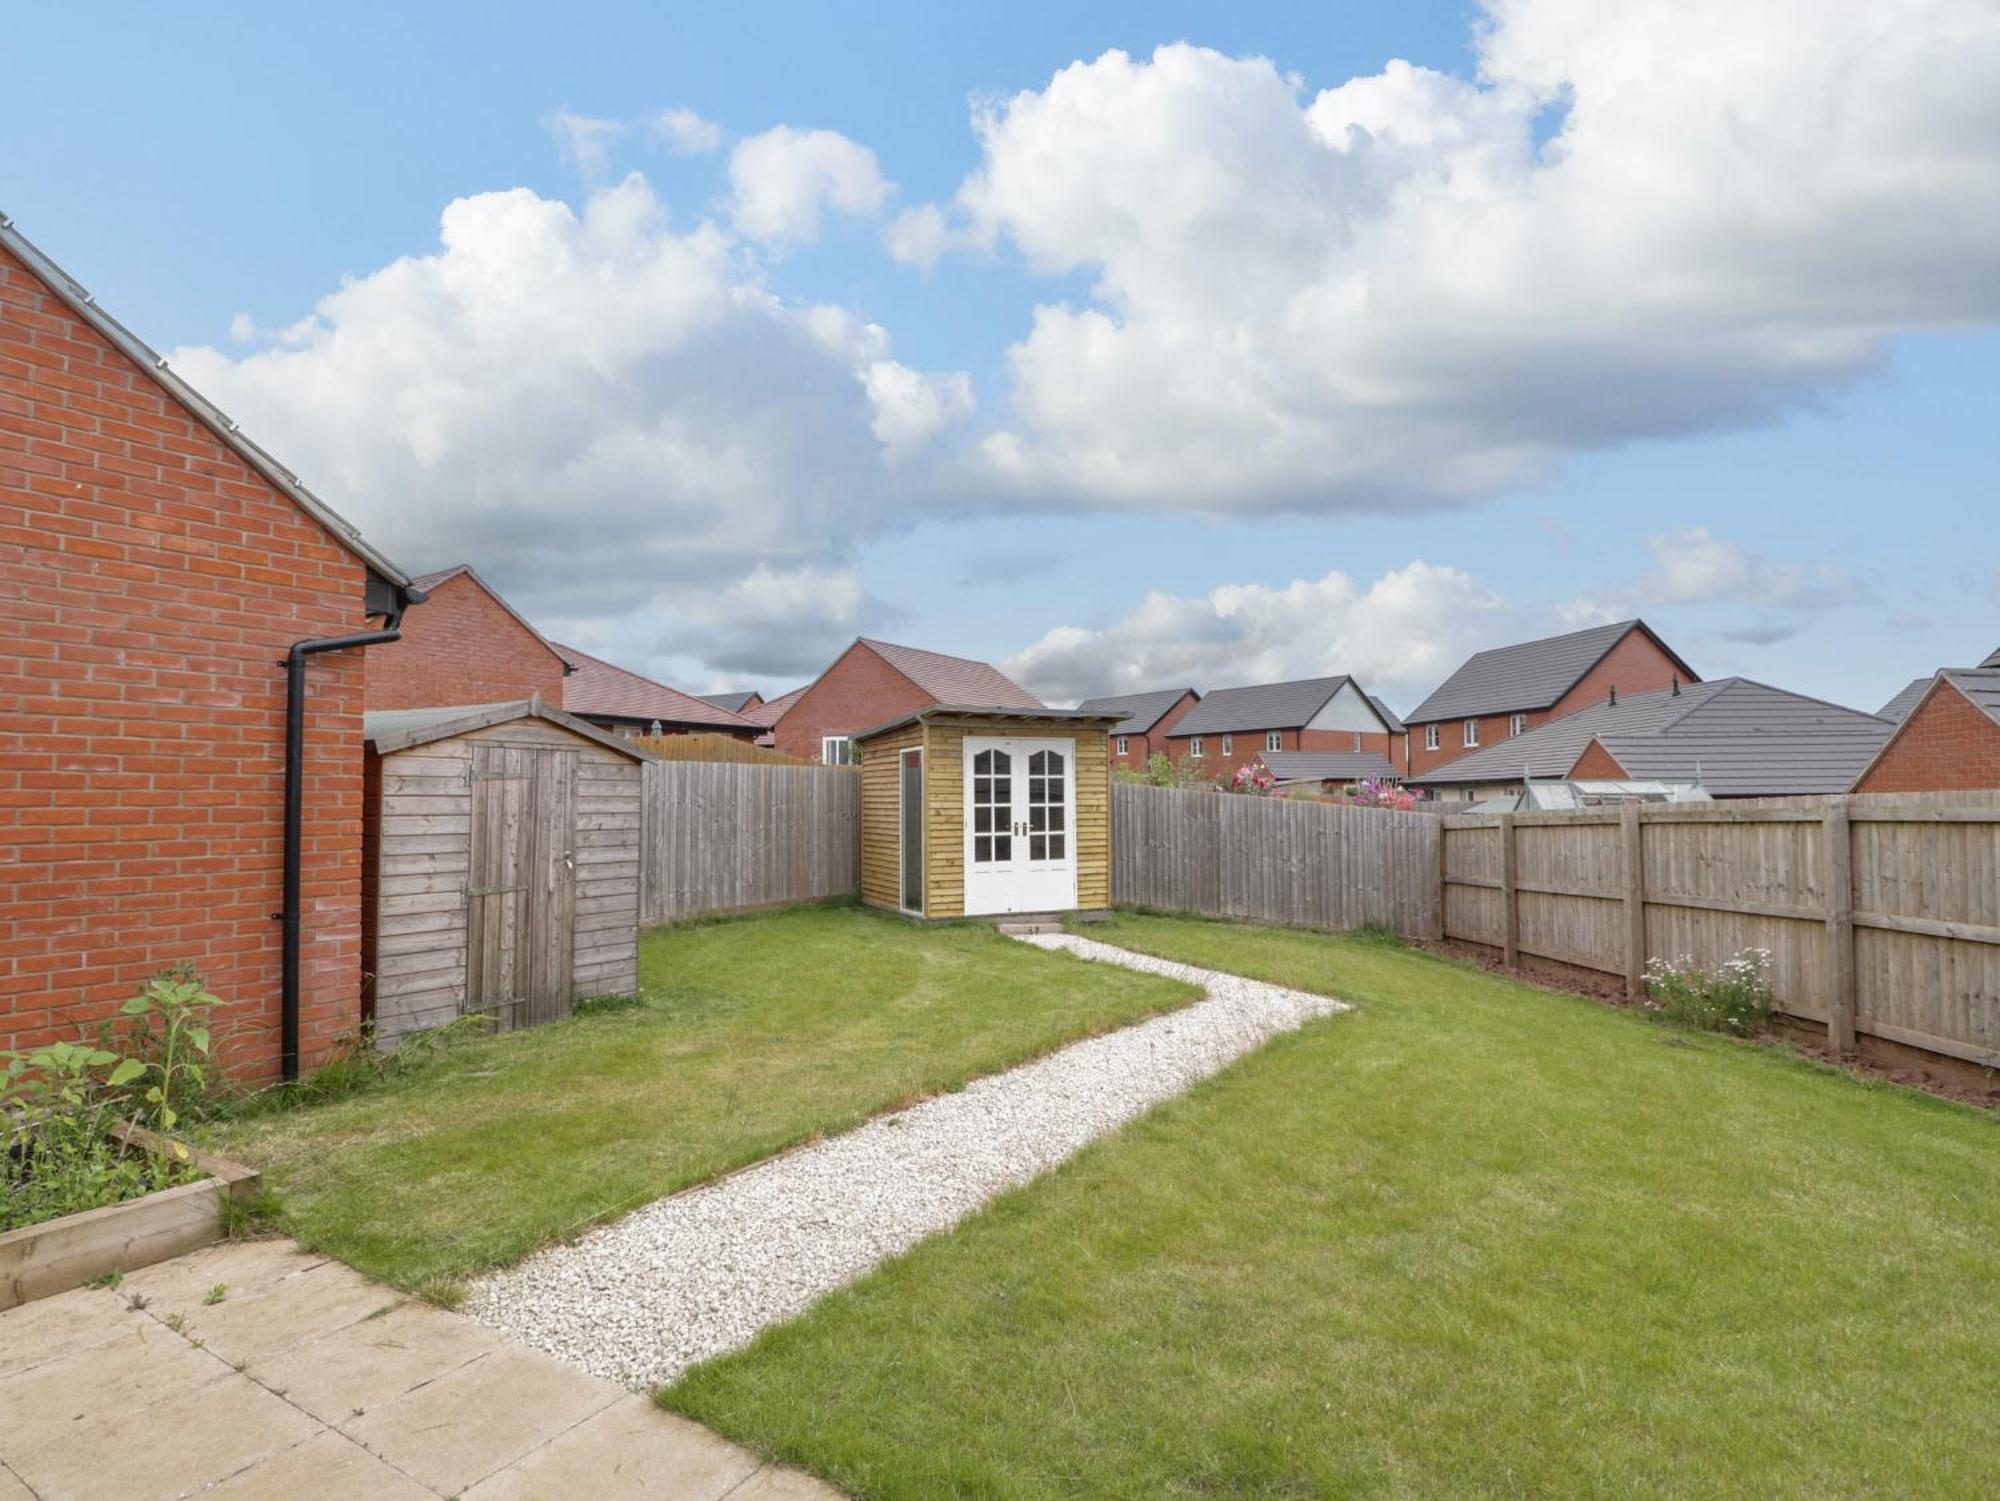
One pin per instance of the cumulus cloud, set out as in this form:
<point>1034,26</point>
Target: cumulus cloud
<point>584,140</point>
<point>685,133</point>
<point>1404,291</point>
<point>783,180</point>
<point>609,415</point>
<point>1399,635</point>
<point>1692,566</point>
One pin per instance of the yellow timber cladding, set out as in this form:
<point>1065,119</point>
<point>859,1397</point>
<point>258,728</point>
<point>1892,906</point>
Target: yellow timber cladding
<point>942,742</point>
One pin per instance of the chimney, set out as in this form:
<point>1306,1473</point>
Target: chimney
<point>1614,695</point>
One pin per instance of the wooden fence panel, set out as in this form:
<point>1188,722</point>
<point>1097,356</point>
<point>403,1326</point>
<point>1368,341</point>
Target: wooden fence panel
<point>1303,864</point>
<point>724,837</point>
<point>1907,937</point>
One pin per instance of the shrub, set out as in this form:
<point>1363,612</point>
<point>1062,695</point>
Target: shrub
<point>1735,999</point>
<point>1160,771</point>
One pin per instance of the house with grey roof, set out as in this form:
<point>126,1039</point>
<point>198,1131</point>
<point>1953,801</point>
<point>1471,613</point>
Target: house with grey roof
<point>1946,740</point>
<point>1328,769</point>
<point>735,703</point>
<point>1232,727</point>
<point>1148,717</point>
<point>1507,691</point>
<point>1733,736</point>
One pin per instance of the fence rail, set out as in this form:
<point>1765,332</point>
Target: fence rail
<point>1882,916</point>
<point>1313,865</point>
<point>722,837</point>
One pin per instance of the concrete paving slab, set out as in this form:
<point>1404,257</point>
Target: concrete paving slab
<point>241,1266</point>
<point>12,1488</point>
<point>778,1483</point>
<point>367,1364</point>
<point>329,1467</point>
<point>625,1453</point>
<point>455,1431</point>
<point>33,1334</point>
<point>252,1327</point>
<point>165,1449</point>
<point>142,1365</point>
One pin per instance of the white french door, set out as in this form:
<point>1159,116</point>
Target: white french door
<point>1020,825</point>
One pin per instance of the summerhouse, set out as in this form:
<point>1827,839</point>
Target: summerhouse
<point>500,865</point>
<point>980,811</point>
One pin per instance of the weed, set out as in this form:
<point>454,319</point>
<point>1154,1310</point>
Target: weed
<point>215,1295</point>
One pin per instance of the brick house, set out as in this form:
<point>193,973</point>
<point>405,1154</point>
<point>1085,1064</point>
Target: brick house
<point>735,703</point>
<point>1510,690</point>
<point>621,701</point>
<point>1947,741</point>
<point>1232,727</point>
<point>466,646</point>
<point>1732,736</point>
<point>873,682</point>
<point>1149,717</point>
<point>158,571</point>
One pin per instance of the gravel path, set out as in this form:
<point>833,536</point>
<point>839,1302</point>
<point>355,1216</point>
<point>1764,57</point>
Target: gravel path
<point>700,1273</point>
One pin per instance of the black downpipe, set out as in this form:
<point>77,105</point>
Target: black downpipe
<point>295,802</point>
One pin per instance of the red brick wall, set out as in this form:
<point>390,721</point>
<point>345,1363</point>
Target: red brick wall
<point>858,692</point>
<point>150,582</point>
<point>463,647</point>
<point>1946,745</point>
<point>1597,763</point>
<point>1245,746</point>
<point>1139,748</point>
<point>1634,665</point>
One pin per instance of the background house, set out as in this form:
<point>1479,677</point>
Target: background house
<point>1232,727</point>
<point>735,703</point>
<point>873,682</point>
<point>159,566</point>
<point>1948,740</point>
<point>1737,738</point>
<point>1329,770</point>
<point>1147,720</point>
<point>466,646</point>
<point>1510,690</point>
<point>616,699</point>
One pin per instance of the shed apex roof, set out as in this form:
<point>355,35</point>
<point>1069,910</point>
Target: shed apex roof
<point>1260,706</point>
<point>391,730</point>
<point>1528,674</point>
<point>601,687</point>
<point>79,300</point>
<point>1078,717</point>
<point>1141,710</point>
<point>953,680</point>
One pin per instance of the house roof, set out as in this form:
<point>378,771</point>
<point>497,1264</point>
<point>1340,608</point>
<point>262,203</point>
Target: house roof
<point>1261,706</point>
<point>1396,725</point>
<point>1993,660</point>
<point>429,581</point>
<point>1328,766</point>
<point>78,299</point>
<point>390,730</point>
<point>772,710</point>
<point>1743,738</point>
<point>1078,717</point>
<point>1528,674</point>
<point>600,687</point>
<point>1980,685</point>
<point>1904,701</point>
<point>1141,710</point>
<point>735,703</point>
<point>953,680</point>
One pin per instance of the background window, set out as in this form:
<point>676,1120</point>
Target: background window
<point>1121,745</point>
<point>1518,725</point>
<point>1194,745</point>
<point>836,750</point>
<point>1274,741</point>
<point>1472,732</point>
<point>1228,745</point>
<point>1430,737</point>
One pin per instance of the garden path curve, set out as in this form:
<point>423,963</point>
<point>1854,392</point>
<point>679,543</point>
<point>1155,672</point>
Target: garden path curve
<point>699,1273</point>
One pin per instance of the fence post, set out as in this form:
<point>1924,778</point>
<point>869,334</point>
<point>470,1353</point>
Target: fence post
<point>1836,834</point>
<point>1510,913</point>
<point>1443,874</point>
<point>1633,831</point>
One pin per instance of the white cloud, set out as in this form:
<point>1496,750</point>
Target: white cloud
<point>686,133</point>
<point>608,416</point>
<point>1694,567</point>
<point>1391,294</point>
<point>1399,635</point>
<point>783,180</point>
<point>584,140</point>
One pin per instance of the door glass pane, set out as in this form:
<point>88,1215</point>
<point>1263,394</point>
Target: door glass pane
<point>1038,847</point>
<point>913,831</point>
<point>982,848</point>
<point>1055,846</point>
<point>992,807</point>
<point>1044,809</point>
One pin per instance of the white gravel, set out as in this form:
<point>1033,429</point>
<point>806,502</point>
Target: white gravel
<point>700,1273</point>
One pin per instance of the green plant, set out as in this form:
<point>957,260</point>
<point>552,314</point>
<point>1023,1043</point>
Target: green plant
<point>598,1005</point>
<point>167,1039</point>
<point>57,1105</point>
<point>215,1294</point>
<point>1735,999</point>
<point>1160,771</point>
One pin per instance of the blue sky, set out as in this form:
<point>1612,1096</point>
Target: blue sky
<point>1826,525</point>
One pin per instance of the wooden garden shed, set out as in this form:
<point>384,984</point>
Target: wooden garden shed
<point>970,811</point>
<point>500,865</point>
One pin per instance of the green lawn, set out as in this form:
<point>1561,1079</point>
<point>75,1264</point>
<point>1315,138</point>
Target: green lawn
<point>756,1034</point>
<point>1472,1239</point>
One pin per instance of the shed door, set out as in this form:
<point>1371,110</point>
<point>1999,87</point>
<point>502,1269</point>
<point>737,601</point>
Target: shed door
<point>521,895</point>
<point>1020,821</point>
